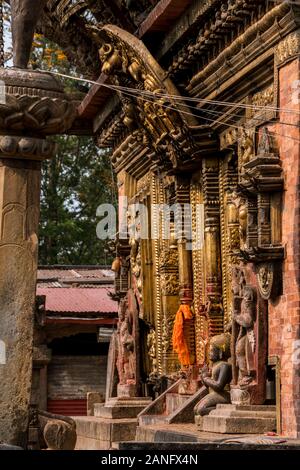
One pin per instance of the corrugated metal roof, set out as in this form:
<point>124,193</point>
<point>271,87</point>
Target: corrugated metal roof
<point>76,300</point>
<point>76,273</point>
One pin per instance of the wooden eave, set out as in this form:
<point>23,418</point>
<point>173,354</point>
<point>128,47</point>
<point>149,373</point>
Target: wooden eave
<point>159,19</point>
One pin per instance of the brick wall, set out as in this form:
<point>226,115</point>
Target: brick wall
<point>284,314</point>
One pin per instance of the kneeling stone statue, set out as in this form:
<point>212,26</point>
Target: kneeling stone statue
<point>217,379</point>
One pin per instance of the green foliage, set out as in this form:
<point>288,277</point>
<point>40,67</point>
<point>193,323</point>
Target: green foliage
<point>74,183</point>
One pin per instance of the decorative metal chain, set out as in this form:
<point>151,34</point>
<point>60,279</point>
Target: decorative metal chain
<point>1,35</point>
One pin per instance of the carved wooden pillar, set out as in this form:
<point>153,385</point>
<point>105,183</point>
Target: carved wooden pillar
<point>214,309</point>
<point>230,239</point>
<point>35,106</point>
<point>185,258</point>
<point>201,324</point>
<point>169,281</point>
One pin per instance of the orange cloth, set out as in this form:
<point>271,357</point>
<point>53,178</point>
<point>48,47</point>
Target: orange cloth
<point>179,343</point>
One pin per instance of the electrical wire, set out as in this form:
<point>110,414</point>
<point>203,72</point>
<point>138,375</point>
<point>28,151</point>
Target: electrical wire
<point>140,94</point>
<point>210,120</point>
<point>175,97</point>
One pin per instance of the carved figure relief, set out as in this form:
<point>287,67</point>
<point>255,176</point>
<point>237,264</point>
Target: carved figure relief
<point>265,276</point>
<point>243,317</point>
<point>246,147</point>
<point>151,346</point>
<point>126,345</point>
<point>135,251</point>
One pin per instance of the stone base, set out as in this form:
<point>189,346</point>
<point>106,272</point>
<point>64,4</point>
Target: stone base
<point>114,421</point>
<point>101,434</point>
<point>126,390</point>
<point>235,419</point>
<point>121,407</point>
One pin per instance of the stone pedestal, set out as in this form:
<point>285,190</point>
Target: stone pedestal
<point>113,422</point>
<point>234,419</point>
<point>121,407</point>
<point>126,390</point>
<point>34,107</point>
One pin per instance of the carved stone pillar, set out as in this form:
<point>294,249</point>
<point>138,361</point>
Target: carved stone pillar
<point>35,106</point>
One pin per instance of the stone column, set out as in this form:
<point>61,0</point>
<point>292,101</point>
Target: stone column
<point>34,106</point>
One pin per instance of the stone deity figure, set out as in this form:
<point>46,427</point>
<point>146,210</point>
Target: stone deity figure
<point>243,318</point>
<point>217,379</point>
<point>126,346</point>
<point>245,344</point>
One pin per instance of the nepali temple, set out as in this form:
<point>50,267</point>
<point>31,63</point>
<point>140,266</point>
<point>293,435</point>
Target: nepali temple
<point>197,104</point>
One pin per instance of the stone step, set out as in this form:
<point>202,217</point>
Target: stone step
<point>224,413</point>
<point>236,424</point>
<point>121,408</point>
<point>247,407</point>
<point>166,433</point>
<point>115,445</point>
<point>174,401</point>
<point>98,434</point>
<point>152,419</point>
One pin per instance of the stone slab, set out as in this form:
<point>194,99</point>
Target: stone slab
<point>180,433</point>
<point>201,446</point>
<point>247,407</point>
<point>121,408</point>
<point>242,413</point>
<point>238,425</point>
<point>152,419</point>
<point>95,433</point>
<point>187,437</point>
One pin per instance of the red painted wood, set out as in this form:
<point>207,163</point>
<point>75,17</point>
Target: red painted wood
<point>67,407</point>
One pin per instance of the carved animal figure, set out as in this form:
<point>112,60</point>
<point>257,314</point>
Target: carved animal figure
<point>59,432</point>
<point>25,15</point>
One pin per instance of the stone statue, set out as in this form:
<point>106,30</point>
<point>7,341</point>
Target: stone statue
<point>265,144</point>
<point>217,379</point>
<point>243,317</point>
<point>25,15</point>
<point>126,346</point>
